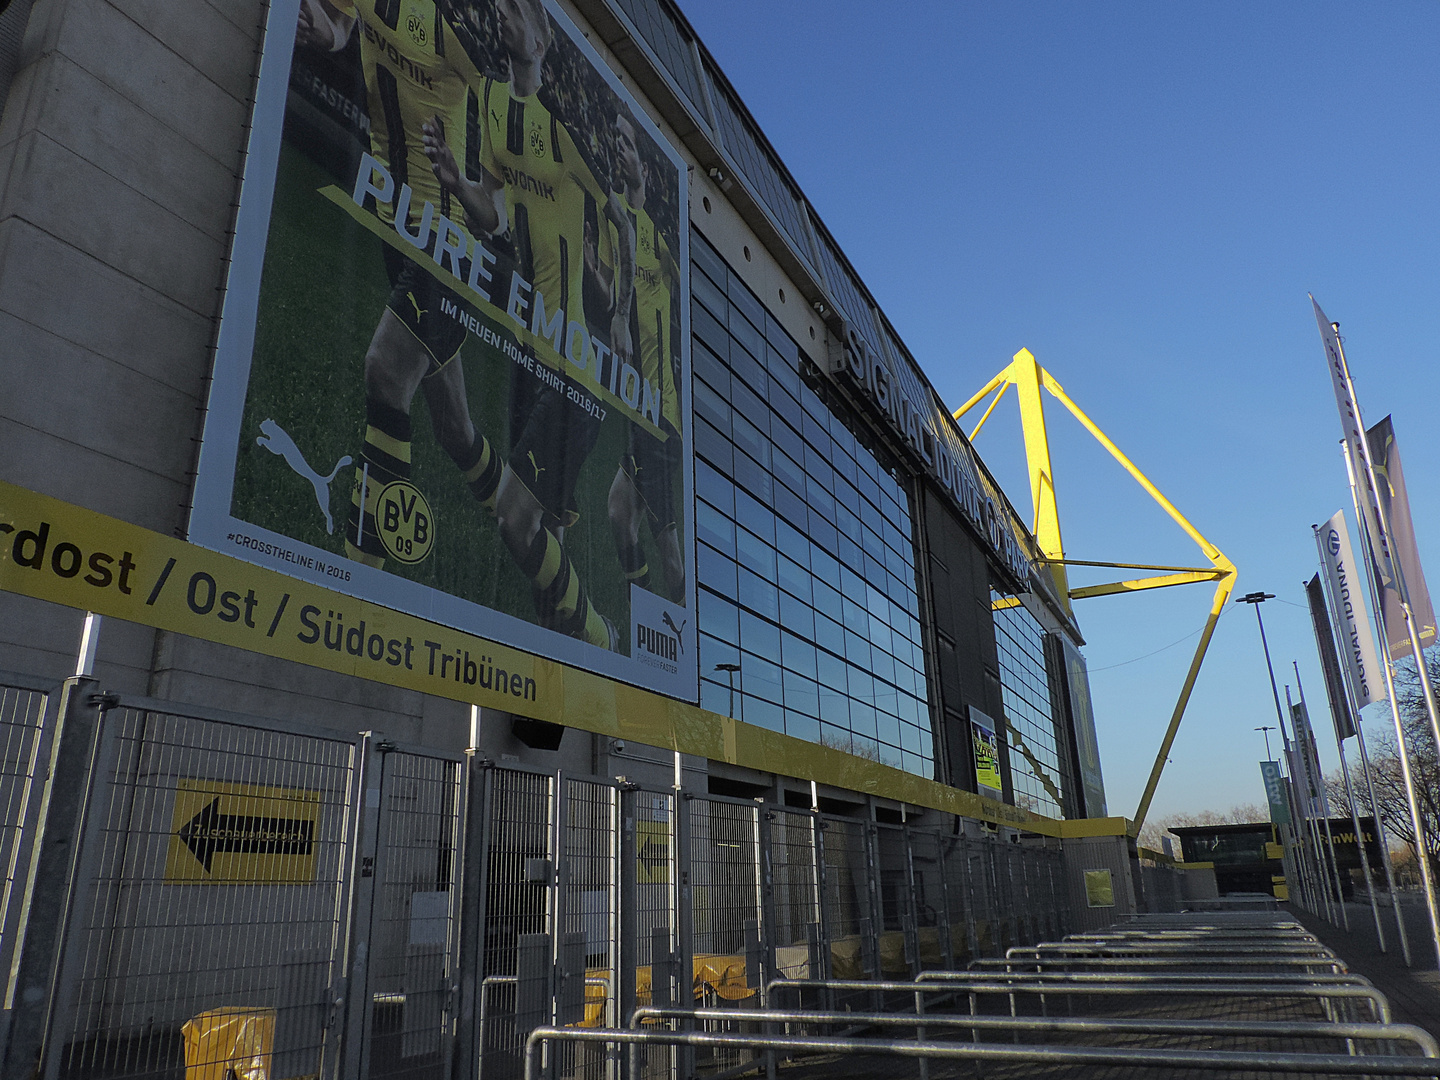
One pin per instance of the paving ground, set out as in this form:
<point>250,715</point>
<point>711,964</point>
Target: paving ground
<point>1414,992</point>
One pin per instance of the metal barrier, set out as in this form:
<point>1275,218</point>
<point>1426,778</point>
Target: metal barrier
<point>1323,996</point>
<point>982,1053</point>
<point>1387,1038</point>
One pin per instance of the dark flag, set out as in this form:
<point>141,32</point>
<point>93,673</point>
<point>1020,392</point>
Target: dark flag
<point>1408,579</point>
<point>1329,661</point>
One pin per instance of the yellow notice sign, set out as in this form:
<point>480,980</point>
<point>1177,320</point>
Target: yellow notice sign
<point>1099,888</point>
<point>242,834</point>
<point>652,852</point>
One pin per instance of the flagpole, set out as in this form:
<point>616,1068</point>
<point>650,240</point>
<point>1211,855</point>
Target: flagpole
<point>1298,815</point>
<point>1389,664</point>
<point>1302,796</point>
<point>1314,752</point>
<point>1359,725</point>
<point>1255,599</point>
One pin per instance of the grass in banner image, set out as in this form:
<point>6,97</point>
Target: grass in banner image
<point>452,177</point>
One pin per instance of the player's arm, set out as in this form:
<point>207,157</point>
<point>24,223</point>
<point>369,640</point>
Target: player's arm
<point>323,25</point>
<point>483,199</point>
<point>624,275</point>
<point>596,268</point>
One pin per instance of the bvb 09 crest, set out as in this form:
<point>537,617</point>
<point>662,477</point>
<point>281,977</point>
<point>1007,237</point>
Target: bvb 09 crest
<point>404,521</point>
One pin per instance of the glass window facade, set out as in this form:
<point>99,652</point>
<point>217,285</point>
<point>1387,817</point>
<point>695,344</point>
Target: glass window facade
<point>804,553</point>
<point>1035,772</point>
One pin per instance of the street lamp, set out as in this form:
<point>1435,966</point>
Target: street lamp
<point>730,669</point>
<point>1267,728</point>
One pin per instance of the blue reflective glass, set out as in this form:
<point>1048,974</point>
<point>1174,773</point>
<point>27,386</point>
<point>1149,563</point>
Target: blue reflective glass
<point>718,617</point>
<point>798,655</point>
<point>758,594</point>
<point>763,713</point>
<point>797,616</point>
<point>759,636</point>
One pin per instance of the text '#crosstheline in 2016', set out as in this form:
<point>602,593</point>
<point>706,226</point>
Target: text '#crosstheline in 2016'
<point>462,374</point>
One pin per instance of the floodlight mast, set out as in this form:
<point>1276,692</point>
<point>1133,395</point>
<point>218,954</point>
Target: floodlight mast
<point>1028,377</point>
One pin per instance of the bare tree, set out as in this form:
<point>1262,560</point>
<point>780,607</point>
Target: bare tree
<point>1424,765</point>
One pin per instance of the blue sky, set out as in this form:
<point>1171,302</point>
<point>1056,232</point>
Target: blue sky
<point>1142,195</point>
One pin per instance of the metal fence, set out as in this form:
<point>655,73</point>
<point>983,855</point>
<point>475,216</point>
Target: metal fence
<point>203,886</point>
<point>24,707</point>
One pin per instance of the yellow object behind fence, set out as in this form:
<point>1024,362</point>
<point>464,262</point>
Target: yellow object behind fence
<point>225,1042</point>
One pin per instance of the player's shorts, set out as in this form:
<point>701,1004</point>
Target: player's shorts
<point>653,467</point>
<point>415,298</point>
<point>550,438</point>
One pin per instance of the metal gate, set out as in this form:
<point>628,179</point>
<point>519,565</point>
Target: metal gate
<point>407,913</point>
<point>211,885</point>
<point>580,917</point>
<point>26,720</point>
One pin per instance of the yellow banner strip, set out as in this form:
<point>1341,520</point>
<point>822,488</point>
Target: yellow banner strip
<point>55,551</point>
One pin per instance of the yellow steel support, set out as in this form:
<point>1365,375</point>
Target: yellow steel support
<point>1028,377</point>
<point>1025,374</point>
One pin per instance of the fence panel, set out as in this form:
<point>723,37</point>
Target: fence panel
<point>518,900</point>
<point>848,908</point>
<point>413,924</point>
<point>213,881</point>
<point>897,922</point>
<point>931,917</point>
<point>795,932</point>
<point>725,887</point>
<point>25,708</point>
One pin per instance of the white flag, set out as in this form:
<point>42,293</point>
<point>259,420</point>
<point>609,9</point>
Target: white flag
<point>1347,608</point>
<point>1355,445</point>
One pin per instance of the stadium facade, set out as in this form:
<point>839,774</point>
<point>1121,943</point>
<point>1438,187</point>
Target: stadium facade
<point>753,563</point>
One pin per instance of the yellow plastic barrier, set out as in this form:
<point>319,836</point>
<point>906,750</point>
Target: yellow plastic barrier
<point>225,1043</point>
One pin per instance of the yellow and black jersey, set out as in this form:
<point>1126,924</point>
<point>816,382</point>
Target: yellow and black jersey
<point>547,185</point>
<point>415,70</point>
<point>655,285</point>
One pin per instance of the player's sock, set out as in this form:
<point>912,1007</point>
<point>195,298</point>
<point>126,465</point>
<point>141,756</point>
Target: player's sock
<point>481,467</point>
<point>633,564</point>
<point>560,600</point>
<point>387,455</point>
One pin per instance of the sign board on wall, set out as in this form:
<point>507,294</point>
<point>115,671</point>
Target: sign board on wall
<point>241,834</point>
<point>452,376</point>
<point>987,754</point>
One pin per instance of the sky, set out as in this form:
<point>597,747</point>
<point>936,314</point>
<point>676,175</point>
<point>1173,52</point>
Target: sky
<point>1142,195</point>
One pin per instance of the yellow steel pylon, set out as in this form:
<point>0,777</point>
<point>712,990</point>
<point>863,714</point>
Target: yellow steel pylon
<point>1028,377</point>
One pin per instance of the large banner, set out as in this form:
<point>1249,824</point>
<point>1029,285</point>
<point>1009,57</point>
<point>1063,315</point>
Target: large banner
<point>1409,575</point>
<point>1353,436</point>
<point>986,745</point>
<point>453,369</point>
<point>1275,793</point>
<point>1305,766</point>
<point>1347,605</point>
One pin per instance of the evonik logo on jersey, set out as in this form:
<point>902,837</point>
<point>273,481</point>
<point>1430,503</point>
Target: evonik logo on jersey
<point>397,59</point>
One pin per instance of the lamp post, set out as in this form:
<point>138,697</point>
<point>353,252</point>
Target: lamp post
<point>730,669</point>
<point>1267,728</point>
<point>1255,599</point>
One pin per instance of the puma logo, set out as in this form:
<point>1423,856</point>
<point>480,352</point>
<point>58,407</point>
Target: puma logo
<point>676,630</point>
<point>275,439</point>
<point>535,465</point>
<point>419,311</point>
